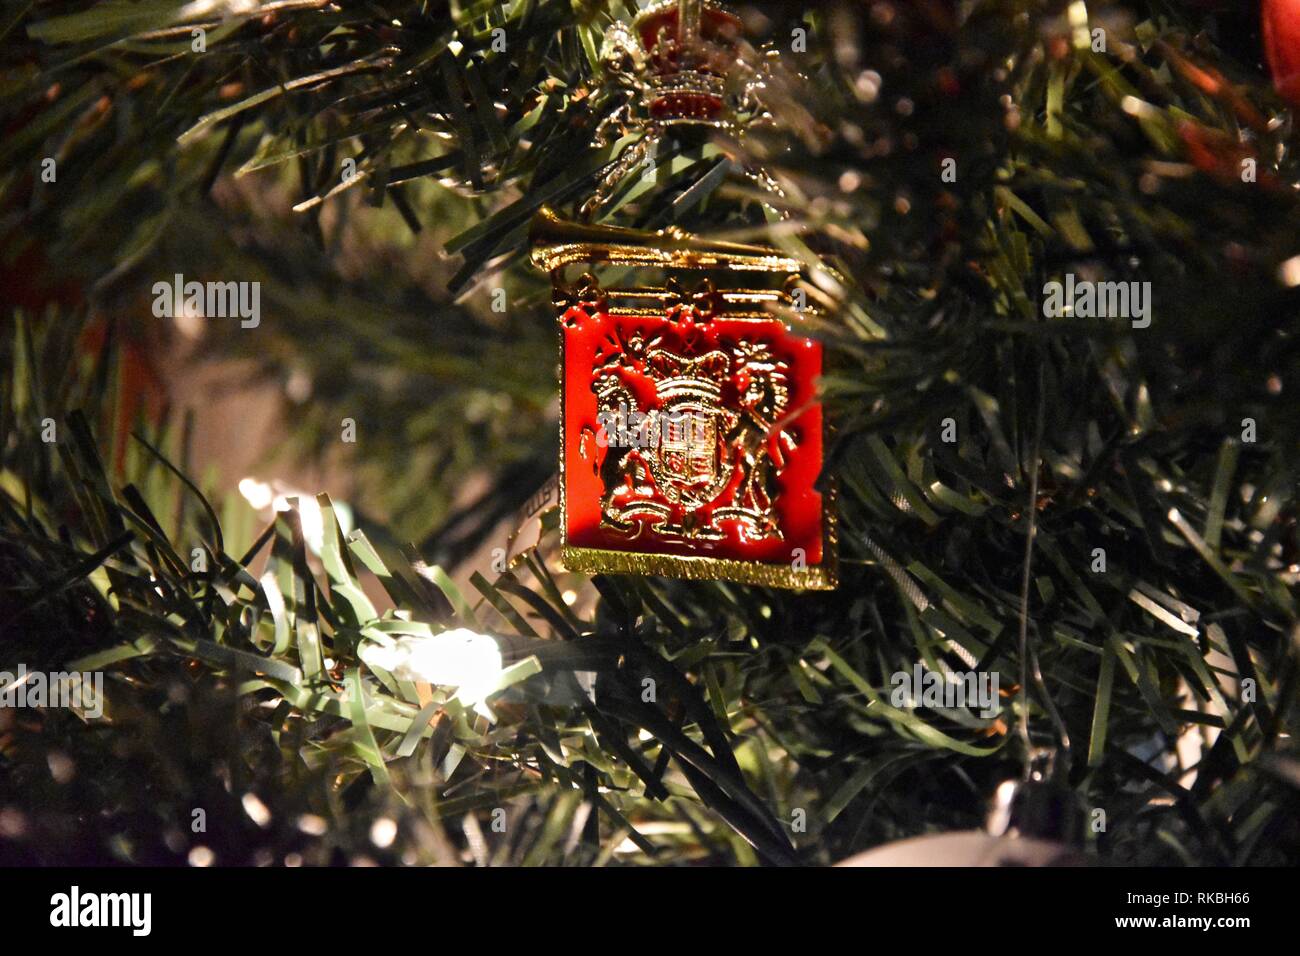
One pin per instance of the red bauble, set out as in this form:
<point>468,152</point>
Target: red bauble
<point>1281,25</point>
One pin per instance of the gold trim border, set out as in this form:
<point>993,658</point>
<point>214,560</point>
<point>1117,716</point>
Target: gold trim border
<point>821,577</point>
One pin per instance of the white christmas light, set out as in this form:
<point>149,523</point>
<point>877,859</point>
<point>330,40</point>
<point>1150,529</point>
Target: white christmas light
<point>459,658</point>
<point>276,496</point>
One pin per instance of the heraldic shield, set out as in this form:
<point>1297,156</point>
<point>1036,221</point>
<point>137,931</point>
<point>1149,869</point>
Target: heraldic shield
<point>692,439</point>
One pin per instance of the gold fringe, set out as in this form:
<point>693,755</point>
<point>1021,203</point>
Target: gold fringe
<point>822,577</point>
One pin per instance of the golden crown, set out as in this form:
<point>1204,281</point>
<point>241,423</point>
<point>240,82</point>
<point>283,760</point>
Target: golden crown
<point>685,50</point>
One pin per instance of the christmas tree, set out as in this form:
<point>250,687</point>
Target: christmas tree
<point>1053,253</point>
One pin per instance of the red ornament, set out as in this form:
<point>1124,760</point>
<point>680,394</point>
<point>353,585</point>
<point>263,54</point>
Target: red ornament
<point>1281,24</point>
<point>692,436</point>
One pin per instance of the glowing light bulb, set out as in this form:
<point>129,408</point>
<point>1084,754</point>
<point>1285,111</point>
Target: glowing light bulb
<point>458,658</point>
<point>275,496</point>
<point>257,493</point>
